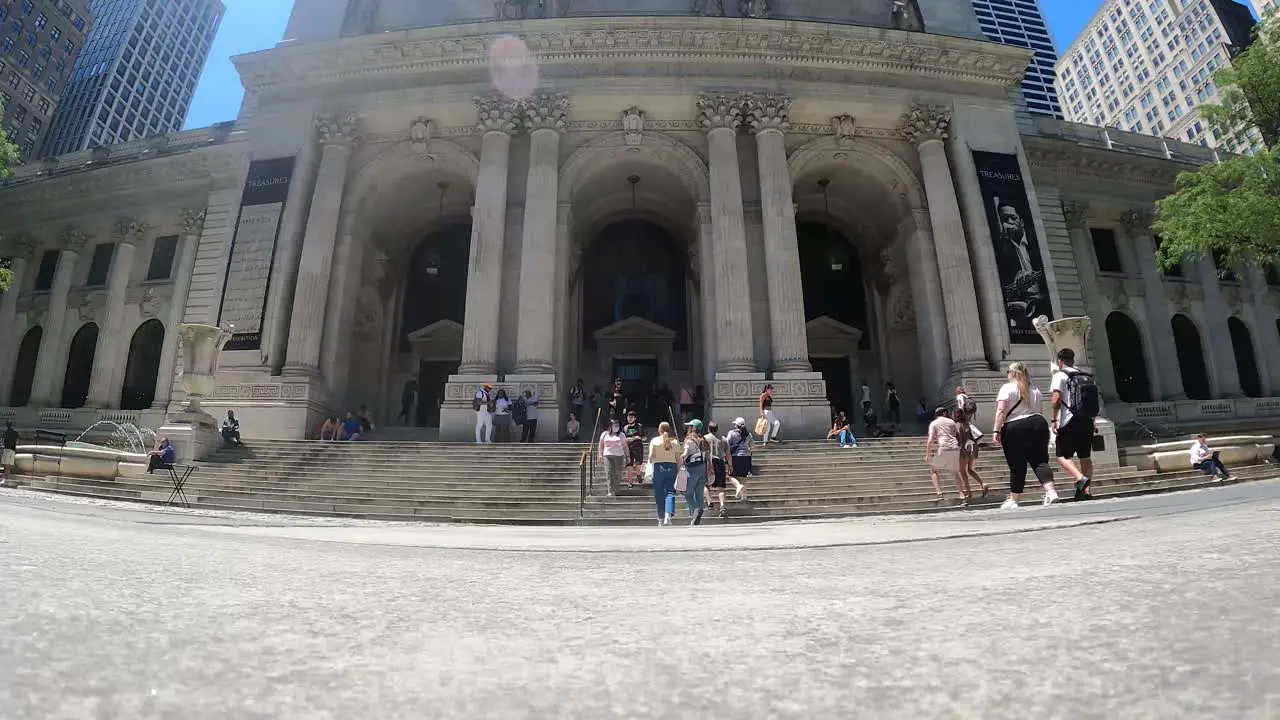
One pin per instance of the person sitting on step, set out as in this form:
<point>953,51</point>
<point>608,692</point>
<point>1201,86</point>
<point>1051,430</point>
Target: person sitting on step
<point>350,428</point>
<point>330,429</point>
<point>162,457</point>
<point>231,429</point>
<point>841,431</point>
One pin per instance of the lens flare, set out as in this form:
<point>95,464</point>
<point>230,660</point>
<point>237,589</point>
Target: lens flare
<point>513,69</point>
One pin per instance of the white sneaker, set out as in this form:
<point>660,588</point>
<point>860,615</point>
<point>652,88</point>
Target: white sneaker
<point>1050,498</point>
<point>666,520</point>
<point>1009,504</point>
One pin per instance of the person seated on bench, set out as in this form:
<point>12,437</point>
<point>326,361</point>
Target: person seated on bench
<point>1206,460</point>
<point>351,428</point>
<point>162,457</point>
<point>231,429</point>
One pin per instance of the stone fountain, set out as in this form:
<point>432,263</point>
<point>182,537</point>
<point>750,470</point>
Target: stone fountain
<point>194,432</point>
<point>1073,333</point>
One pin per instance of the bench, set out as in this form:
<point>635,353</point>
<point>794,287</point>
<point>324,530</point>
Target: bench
<point>179,473</point>
<point>1233,450</point>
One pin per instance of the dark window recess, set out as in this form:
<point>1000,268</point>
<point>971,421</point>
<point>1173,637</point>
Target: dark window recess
<point>162,258</point>
<point>1273,275</point>
<point>1176,270</point>
<point>1225,273</point>
<point>1106,250</point>
<point>48,267</point>
<point>100,267</point>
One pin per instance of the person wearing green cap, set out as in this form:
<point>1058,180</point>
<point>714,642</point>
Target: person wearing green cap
<point>695,466</point>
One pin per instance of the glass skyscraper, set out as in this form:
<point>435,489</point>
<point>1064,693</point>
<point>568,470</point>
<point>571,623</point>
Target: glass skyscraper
<point>137,73</point>
<point>1020,23</point>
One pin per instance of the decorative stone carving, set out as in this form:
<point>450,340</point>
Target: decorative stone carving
<point>546,111</point>
<point>1076,214</point>
<point>767,112</point>
<point>1137,222</point>
<point>497,115</point>
<point>150,304</point>
<point>1179,297</point>
<point>844,128</point>
<point>74,239</point>
<point>633,126</point>
<point>719,111</point>
<point>904,313</point>
<point>86,304</point>
<point>755,8</point>
<point>700,7</point>
<point>129,230</point>
<point>420,132</point>
<point>201,348</point>
<point>1065,333</point>
<point>191,220</point>
<point>905,15</point>
<point>20,245</point>
<point>337,129</point>
<point>890,269</point>
<point>1234,299</point>
<point>923,123</point>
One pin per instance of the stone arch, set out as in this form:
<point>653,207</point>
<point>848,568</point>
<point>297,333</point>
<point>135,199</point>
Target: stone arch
<point>24,371</point>
<point>606,149</point>
<point>828,148</point>
<point>1128,360</point>
<point>142,369</point>
<point>80,361</point>
<point>1246,358</point>
<point>1190,351</point>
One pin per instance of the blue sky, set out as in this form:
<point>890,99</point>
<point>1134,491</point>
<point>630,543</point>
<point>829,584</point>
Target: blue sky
<point>257,24</point>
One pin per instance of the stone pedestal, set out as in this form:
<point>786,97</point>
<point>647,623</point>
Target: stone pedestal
<point>550,420</point>
<point>1073,333</point>
<point>457,418</point>
<point>194,432</point>
<point>799,402</point>
<point>735,394</point>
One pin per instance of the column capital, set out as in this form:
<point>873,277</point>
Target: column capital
<point>1137,221</point>
<point>129,230</point>
<point>923,123</point>
<point>20,245</point>
<point>844,128</point>
<point>191,220</point>
<point>1076,213</point>
<point>767,112</point>
<point>497,114</point>
<point>337,129</point>
<point>545,111</point>
<point>717,112</point>
<point>73,239</point>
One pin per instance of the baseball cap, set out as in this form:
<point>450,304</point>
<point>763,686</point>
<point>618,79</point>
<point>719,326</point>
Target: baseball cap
<point>739,421</point>
<point>698,425</point>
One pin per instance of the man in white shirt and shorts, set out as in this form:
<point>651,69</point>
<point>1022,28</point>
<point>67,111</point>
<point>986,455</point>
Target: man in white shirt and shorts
<point>1074,433</point>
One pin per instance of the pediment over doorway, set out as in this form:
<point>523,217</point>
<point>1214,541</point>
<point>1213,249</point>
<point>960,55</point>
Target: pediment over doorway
<point>635,328</point>
<point>828,336</point>
<point>635,337</point>
<point>441,339</point>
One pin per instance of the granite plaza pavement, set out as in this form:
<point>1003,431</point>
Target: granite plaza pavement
<point>1158,607</point>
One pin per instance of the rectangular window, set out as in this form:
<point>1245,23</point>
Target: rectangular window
<point>48,267</point>
<point>100,266</point>
<point>1106,250</point>
<point>162,255</point>
<point>1176,270</point>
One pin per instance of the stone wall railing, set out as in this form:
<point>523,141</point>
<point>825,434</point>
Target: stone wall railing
<point>1185,411</point>
<point>72,421</point>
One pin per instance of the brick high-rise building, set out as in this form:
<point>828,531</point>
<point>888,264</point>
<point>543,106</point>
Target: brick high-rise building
<point>39,43</point>
<point>138,72</point>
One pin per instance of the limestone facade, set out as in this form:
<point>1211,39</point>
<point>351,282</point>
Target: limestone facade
<point>696,201</point>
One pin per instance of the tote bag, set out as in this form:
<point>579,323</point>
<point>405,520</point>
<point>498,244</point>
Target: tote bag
<point>682,480</point>
<point>762,426</point>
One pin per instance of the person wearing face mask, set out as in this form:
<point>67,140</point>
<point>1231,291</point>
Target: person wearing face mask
<point>612,454</point>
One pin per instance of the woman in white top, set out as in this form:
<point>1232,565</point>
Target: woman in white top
<point>612,452</point>
<point>665,453</point>
<point>1024,434</point>
<point>502,416</point>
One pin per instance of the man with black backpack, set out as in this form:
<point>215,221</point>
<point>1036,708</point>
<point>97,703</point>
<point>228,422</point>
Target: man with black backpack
<point>1076,403</point>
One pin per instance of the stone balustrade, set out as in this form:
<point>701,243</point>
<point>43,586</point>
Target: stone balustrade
<point>1188,411</point>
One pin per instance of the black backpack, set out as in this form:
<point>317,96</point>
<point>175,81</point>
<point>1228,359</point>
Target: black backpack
<point>519,411</point>
<point>1083,398</point>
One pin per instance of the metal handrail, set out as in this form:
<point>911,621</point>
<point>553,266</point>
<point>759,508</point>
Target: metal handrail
<point>593,447</point>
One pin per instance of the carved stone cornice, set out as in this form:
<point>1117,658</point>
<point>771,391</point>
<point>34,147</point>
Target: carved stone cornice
<point>845,129</point>
<point>720,111</point>
<point>923,123</point>
<point>546,111</point>
<point>767,112</point>
<point>191,220</point>
<point>498,115</point>
<point>1076,213</point>
<point>1137,222</point>
<point>129,230</point>
<point>74,239</point>
<point>1071,160</point>
<point>337,129</point>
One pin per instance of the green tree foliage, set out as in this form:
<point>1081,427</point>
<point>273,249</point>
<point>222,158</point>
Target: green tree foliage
<point>1231,209</point>
<point>8,158</point>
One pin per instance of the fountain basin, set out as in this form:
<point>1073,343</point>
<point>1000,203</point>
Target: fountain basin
<point>78,459</point>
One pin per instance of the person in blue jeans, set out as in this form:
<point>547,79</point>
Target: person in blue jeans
<point>696,451</point>
<point>664,457</point>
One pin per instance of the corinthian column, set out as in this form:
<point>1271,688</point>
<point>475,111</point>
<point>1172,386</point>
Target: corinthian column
<point>1164,353</point>
<point>499,119</point>
<point>191,225</point>
<point>721,117</point>
<point>50,360</point>
<point>545,116</point>
<point>1077,217</point>
<point>768,117</point>
<point>928,128</point>
<point>108,360</point>
<point>1264,318</point>
<point>310,301</point>
<point>19,250</point>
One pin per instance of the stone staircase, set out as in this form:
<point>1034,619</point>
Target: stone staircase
<point>541,484</point>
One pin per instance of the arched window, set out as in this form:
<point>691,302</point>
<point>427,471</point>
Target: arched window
<point>143,368</point>
<point>1195,376</point>
<point>1246,361</point>
<point>75,384</point>
<point>24,371</point>
<point>1130,364</point>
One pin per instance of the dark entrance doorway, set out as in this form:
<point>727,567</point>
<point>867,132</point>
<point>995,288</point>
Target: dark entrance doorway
<point>75,384</point>
<point>639,376</point>
<point>1246,361</point>
<point>1127,359</point>
<point>835,371</point>
<point>432,376</point>
<point>1186,341</point>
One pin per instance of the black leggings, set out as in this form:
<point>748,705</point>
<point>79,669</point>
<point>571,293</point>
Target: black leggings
<point>1026,443</point>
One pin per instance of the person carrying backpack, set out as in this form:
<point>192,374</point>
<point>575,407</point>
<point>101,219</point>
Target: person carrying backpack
<point>1076,403</point>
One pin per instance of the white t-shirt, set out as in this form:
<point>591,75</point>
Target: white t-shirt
<point>613,444</point>
<point>503,406</point>
<point>1026,408</point>
<point>531,403</point>
<point>1059,384</point>
<point>1199,453</point>
<point>483,397</point>
<point>866,394</point>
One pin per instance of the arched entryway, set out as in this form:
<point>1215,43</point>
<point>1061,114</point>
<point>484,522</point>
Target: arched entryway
<point>1195,375</point>
<point>1246,360</point>
<point>24,371</point>
<point>431,317</point>
<point>1128,359</point>
<point>75,384</point>
<point>143,367</point>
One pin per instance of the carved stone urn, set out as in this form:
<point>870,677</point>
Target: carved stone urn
<point>201,347</point>
<point>1065,333</point>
